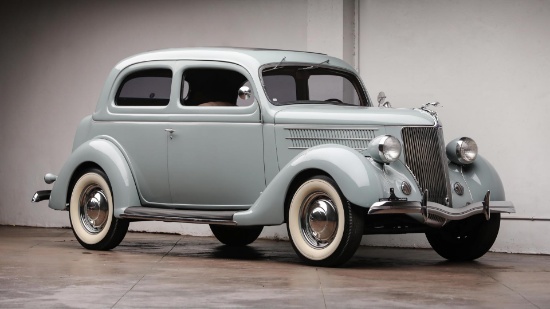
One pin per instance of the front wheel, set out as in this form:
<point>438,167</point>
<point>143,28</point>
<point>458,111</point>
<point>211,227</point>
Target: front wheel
<point>467,239</point>
<point>323,227</point>
<point>91,212</point>
<point>236,236</point>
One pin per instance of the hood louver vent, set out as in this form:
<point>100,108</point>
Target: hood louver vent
<point>306,138</point>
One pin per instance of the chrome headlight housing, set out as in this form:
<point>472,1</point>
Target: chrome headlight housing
<point>462,150</point>
<point>384,149</point>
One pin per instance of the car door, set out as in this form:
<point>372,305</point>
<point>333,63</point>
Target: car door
<point>140,104</point>
<point>215,150</point>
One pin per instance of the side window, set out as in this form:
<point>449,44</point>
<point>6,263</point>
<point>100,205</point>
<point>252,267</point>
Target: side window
<point>214,87</point>
<point>145,88</point>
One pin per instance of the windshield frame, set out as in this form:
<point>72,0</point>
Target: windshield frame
<point>353,78</point>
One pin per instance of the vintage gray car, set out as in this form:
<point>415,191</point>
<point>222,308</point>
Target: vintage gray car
<point>245,138</point>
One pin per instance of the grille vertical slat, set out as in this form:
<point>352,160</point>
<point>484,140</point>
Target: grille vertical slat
<point>425,157</point>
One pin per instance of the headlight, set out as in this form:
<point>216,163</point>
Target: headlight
<point>462,150</point>
<point>384,149</point>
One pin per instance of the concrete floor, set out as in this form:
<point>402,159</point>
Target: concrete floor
<point>43,268</point>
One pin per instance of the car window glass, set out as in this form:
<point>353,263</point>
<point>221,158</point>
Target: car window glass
<point>332,88</point>
<point>313,84</point>
<point>280,88</point>
<point>213,87</point>
<point>145,88</point>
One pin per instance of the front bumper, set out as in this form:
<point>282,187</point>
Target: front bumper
<point>437,214</point>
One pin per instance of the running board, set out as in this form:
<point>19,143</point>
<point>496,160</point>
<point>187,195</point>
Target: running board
<point>221,217</point>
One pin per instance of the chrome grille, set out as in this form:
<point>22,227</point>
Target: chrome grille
<point>308,137</point>
<point>425,156</point>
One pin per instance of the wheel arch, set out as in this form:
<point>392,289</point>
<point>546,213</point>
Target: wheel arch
<point>356,176</point>
<point>105,155</point>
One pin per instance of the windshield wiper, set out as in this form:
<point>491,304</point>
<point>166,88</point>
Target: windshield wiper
<point>278,66</point>
<point>314,66</point>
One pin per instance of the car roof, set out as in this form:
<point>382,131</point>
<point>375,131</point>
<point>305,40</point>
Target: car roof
<point>249,57</point>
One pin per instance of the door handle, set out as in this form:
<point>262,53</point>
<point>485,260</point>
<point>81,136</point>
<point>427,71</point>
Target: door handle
<point>170,131</point>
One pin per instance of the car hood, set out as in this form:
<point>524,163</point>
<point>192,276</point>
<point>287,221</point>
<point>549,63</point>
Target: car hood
<point>351,115</point>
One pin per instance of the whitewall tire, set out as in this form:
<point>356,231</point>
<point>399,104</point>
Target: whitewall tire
<point>91,212</point>
<point>324,228</point>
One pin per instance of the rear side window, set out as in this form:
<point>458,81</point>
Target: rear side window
<point>145,88</point>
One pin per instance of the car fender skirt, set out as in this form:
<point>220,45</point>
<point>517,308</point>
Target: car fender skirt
<point>105,154</point>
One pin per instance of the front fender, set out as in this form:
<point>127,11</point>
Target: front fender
<point>480,177</point>
<point>106,155</point>
<point>359,179</point>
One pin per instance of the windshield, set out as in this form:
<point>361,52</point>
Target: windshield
<point>312,85</point>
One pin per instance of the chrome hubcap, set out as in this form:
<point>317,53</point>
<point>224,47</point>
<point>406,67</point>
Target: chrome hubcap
<point>94,209</point>
<point>318,220</point>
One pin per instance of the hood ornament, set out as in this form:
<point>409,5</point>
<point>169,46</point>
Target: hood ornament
<point>431,112</point>
<point>382,100</point>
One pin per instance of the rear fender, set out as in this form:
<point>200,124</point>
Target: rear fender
<point>110,159</point>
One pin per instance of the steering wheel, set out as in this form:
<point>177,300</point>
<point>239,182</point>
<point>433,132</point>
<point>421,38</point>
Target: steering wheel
<point>334,100</point>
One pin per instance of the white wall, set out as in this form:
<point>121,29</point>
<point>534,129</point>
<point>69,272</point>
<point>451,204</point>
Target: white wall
<point>55,56</point>
<point>488,63</point>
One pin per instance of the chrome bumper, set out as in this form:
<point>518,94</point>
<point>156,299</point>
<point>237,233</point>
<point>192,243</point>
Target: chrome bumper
<point>41,196</point>
<point>428,209</point>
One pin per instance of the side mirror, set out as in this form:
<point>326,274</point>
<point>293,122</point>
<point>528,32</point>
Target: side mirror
<point>382,100</point>
<point>244,93</point>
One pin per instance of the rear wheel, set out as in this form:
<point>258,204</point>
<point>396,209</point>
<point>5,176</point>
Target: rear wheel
<point>467,239</point>
<point>323,227</point>
<point>91,212</point>
<point>236,236</point>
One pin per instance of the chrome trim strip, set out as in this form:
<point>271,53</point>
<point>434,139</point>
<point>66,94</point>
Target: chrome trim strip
<point>179,215</point>
<point>177,219</point>
<point>467,185</point>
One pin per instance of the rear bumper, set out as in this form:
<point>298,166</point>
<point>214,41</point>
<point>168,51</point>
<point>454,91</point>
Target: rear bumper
<point>430,209</point>
<point>41,196</point>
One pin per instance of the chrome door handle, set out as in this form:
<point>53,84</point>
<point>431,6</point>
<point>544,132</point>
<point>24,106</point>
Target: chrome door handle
<point>170,131</point>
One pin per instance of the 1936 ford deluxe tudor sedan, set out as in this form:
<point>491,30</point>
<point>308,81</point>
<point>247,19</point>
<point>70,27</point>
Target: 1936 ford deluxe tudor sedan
<point>245,138</point>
